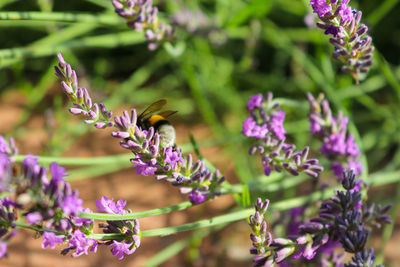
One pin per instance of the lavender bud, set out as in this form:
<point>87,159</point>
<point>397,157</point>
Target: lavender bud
<point>61,61</point>
<point>68,90</point>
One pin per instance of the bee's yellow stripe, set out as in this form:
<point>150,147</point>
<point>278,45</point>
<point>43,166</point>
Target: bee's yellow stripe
<point>155,118</point>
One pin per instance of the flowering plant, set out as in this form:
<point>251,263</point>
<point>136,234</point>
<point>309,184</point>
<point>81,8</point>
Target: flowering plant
<point>313,162</point>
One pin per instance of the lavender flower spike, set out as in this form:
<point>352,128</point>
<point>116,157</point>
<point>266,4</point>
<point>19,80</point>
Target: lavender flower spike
<point>265,125</point>
<point>129,229</point>
<point>150,155</point>
<point>93,113</point>
<point>337,144</point>
<point>340,221</point>
<point>142,16</point>
<point>353,47</point>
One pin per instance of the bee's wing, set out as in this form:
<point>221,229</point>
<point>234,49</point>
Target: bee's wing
<point>156,106</point>
<point>167,113</point>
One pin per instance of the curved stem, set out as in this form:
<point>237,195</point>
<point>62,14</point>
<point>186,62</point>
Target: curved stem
<point>135,215</point>
<point>35,228</point>
<point>375,180</point>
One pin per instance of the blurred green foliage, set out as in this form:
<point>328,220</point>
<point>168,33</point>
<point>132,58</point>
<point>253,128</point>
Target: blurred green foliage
<point>242,48</point>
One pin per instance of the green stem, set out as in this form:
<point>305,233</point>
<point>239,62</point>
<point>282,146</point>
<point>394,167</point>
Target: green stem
<point>227,218</point>
<point>11,55</point>
<point>254,186</point>
<point>135,215</point>
<point>376,180</point>
<point>81,161</point>
<point>63,17</point>
<point>35,228</point>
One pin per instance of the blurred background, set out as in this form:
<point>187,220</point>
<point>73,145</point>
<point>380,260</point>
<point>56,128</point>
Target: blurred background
<point>225,52</point>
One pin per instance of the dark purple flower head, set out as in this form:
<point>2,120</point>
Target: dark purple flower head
<point>8,203</point>
<point>109,206</point>
<point>333,30</point>
<point>340,220</point>
<point>365,258</point>
<point>50,239</point>
<point>197,197</point>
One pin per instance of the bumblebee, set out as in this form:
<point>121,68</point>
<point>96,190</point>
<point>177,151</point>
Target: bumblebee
<point>159,122</point>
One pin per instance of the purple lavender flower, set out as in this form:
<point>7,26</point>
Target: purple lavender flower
<point>109,206</point>
<point>7,223</point>
<point>142,16</point>
<point>121,248</point>
<point>81,244</point>
<point>255,101</point>
<point>50,239</point>
<point>276,124</point>
<point>364,258</point>
<point>34,217</point>
<point>5,172</point>
<point>345,13</point>
<point>131,240</point>
<point>295,220</point>
<point>3,249</point>
<point>53,204</point>
<point>251,129</point>
<point>93,113</point>
<point>320,7</point>
<point>334,144</point>
<point>173,158</point>
<point>338,145</point>
<point>57,172</point>
<point>265,124</point>
<point>339,222</point>
<point>352,44</point>
<point>197,197</point>
<point>72,205</point>
<point>145,168</point>
<point>150,157</point>
<point>82,221</point>
<point>9,147</point>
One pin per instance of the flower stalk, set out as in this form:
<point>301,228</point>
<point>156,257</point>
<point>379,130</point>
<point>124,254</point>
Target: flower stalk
<point>353,46</point>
